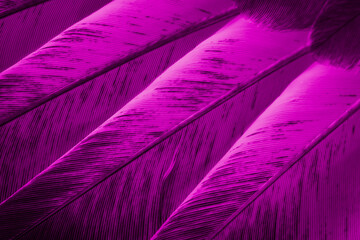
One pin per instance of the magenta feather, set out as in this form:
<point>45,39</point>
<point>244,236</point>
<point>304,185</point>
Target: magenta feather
<point>26,25</point>
<point>282,14</point>
<point>307,108</point>
<point>52,99</point>
<point>336,33</point>
<point>132,167</point>
<point>126,178</point>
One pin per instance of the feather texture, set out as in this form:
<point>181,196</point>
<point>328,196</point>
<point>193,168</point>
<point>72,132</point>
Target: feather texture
<point>315,196</point>
<point>336,33</point>
<point>33,23</point>
<point>282,14</point>
<point>71,94</point>
<point>130,165</point>
<point>8,7</point>
<point>304,110</point>
<point>85,41</point>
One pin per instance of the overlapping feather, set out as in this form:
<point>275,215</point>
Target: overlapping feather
<point>52,99</point>
<point>315,196</point>
<point>123,167</point>
<point>304,110</point>
<point>76,197</point>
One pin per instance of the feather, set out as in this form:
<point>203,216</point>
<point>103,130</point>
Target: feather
<point>307,108</point>
<point>8,7</point>
<point>313,196</point>
<point>125,178</point>
<point>56,96</point>
<point>282,14</point>
<point>336,33</point>
<point>27,25</point>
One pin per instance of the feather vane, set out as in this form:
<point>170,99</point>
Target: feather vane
<point>282,14</point>
<point>27,25</point>
<point>335,35</point>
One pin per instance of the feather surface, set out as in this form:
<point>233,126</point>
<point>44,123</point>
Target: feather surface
<point>27,25</point>
<point>96,45</point>
<point>304,110</point>
<point>336,33</point>
<point>130,165</point>
<point>315,196</point>
<point>8,7</point>
<point>282,14</point>
<point>74,83</point>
